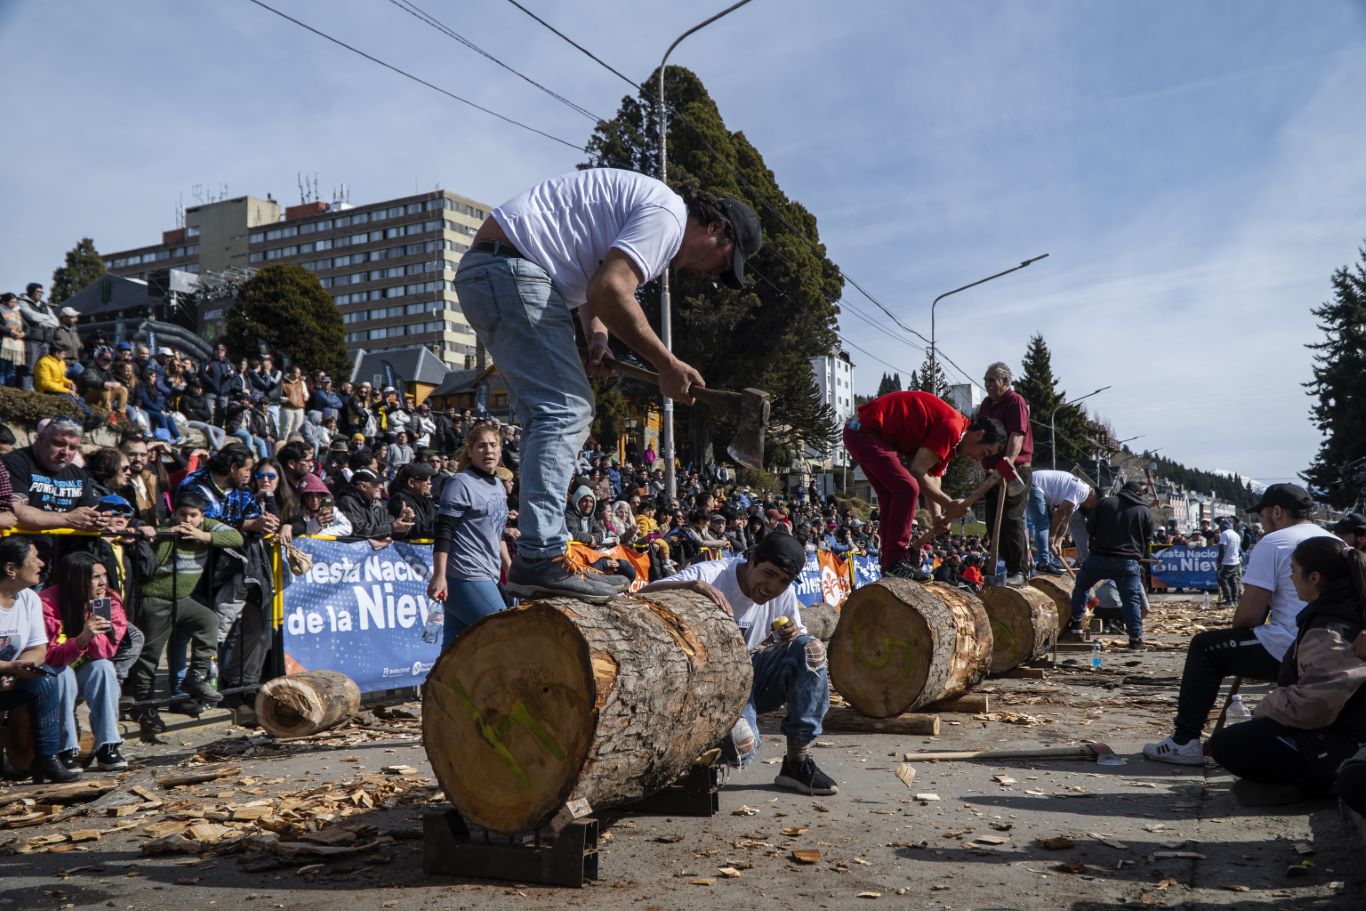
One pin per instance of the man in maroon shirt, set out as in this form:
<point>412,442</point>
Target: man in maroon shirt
<point>927,432</point>
<point>1009,407</point>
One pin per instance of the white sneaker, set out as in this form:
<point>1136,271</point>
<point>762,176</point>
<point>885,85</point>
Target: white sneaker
<point>1189,753</point>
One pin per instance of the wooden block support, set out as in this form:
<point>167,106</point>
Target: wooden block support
<point>968,704</point>
<point>845,719</point>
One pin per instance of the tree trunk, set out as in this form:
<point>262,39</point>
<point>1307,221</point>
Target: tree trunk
<point>303,704</point>
<point>900,645</point>
<point>1059,589</point>
<point>820,620</point>
<point>1024,625</point>
<point>559,700</point>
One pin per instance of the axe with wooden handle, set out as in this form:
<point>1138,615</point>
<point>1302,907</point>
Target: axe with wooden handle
<point>978,492</point>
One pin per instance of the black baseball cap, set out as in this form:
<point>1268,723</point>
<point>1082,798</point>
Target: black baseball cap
<point>1353,522</point>
<point>744,227</point>
<point>1286,496</point>
<point>783,551</point>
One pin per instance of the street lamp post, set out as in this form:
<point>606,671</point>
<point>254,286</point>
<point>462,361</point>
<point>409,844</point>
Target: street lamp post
<point>1053,423</point>
<point>980,281</point>
<point>666,330</point>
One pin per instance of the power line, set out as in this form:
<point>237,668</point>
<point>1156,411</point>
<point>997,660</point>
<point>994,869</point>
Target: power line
<point>426,18</point>
<point>579,47</point>
<point>417,79</point>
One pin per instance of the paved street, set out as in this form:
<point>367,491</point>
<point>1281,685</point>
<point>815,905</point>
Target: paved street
<point>1013,834</point>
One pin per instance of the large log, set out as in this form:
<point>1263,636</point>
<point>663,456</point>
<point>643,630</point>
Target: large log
<point>301,704</point>
<point>1024,625</point>
<point>1059,591</point>
<point>820,620</point>
<point>901,645</point>
<point>560,701</point>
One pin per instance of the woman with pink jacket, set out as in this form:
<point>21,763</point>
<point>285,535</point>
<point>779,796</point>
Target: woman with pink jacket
<point>81,644</point>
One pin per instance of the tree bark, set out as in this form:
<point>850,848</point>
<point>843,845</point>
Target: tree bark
<point>900,645</point>
<point>558,701</point>
<point>820,620</point>
<point>1024,625</point>
<point>301,704</point>
<point>1059,590</point>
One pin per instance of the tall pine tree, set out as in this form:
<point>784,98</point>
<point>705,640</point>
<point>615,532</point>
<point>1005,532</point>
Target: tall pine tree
<point>767,334</point>
<point>1039,387</point>
<point>924,381</point>
<point>1339,385</point>
<point>82,268</point>
<point>891,382</point>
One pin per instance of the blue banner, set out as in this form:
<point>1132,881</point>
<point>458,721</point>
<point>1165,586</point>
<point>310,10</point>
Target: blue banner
<point>808,583</point>
<point>360,611</point>
<point>1187,567</point>
<point>866,569</point>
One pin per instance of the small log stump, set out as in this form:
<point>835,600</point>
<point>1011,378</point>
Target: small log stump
<point>559,701</point>
<point>1024,625</point>
<point>901,645</point>
<point>1059,590</point>
<point>820,620</point>
<point>303,704</point>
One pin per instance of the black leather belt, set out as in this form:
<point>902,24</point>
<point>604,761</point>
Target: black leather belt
<point>497,248</point>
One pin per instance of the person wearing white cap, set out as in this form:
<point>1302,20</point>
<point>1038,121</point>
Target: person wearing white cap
<point>68,339</point>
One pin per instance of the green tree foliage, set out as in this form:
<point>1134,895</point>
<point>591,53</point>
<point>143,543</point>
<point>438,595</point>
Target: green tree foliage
<point>1039,387</point>
<point>284,309</point>
<point>1231,488</point>
<point>1339,386</point>
<point>937,382</point>
<point>891,382</point>
<point>83,266</point>
<point>766,335</point>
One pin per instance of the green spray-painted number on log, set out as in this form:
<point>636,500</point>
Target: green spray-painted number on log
<point>1001,631</point>
<point>494,735</point>
<point>889,645</point>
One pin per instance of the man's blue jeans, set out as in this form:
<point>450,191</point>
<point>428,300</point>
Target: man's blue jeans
<point>1038,520</point>
<point>529,331</point>
<point>783,675</point>
<point>1127,578</point>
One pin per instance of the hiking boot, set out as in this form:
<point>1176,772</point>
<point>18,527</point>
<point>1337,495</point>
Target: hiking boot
<point>905,569</point>
<point>109,759</point>
<point>805,777</point>
<point>561,576</point>
<point>1188,753</point>
<point>149,721</point>
<point>196,686</point>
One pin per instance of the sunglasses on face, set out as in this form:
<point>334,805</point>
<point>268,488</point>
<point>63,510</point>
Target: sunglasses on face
<point>266,476</point>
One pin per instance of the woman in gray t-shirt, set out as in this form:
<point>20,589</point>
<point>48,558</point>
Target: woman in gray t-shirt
<point>469,552</point>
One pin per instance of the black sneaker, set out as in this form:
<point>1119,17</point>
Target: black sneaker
<point>561,576</point>
<point>196,686</point>
<point>905,569</point>
<point>186,706</point>
<point>149,721</point>
<point>70,759</point>
<point>1136,643</point>
<point>805,778</point>
<point>109,759</point>
<point>1075,632</point>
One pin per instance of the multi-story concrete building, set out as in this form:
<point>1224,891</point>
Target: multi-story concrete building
<point>834,378</point>
<point>389,266</point>
<point>965,397</point>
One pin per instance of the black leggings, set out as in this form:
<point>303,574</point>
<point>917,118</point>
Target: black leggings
<point>1266,750</point>
<point>1212,656</point>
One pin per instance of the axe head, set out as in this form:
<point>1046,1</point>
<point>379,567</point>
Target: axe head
<point>1014,484</point>
<point>747,446</point>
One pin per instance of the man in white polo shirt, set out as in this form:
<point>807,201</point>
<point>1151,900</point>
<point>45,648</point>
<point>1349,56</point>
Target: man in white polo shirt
<point>1054,500</point>
<point>583,244</point>
<point>1263,625</point>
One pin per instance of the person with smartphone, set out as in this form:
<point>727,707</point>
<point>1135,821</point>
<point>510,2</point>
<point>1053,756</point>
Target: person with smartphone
<point>319,513</point>
<point>24,680</point>
<point>85,622</point>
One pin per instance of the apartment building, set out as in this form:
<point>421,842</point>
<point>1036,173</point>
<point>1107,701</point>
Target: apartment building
<point>389,266</point>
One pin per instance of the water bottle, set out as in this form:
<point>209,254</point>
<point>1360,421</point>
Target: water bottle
<point>436,620</point>
<point>1237,710</point>
<point>213,673</point>
<point>1204,605</point>
<point>1095,654</point>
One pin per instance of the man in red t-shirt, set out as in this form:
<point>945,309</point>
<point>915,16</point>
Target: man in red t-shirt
<point>927,432</point>
<point>1009,407</point>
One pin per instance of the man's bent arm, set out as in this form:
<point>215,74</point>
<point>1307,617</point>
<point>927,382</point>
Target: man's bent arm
<point>1061,516</point>
<point>612,303</point>
<point>1014,443</point>
<point>920,466</point>
<point>1252,608</point>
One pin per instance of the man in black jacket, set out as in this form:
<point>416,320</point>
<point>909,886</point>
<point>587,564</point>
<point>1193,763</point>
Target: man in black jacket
<point>1120,527</point>
<point>361,503</point>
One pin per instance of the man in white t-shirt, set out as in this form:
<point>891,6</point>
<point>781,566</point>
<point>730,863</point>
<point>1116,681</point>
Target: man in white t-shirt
<point>583,244</point>
<point>1229,563</point>
<point>789,665</point>
<point>1263,624</point>
<point>1055,498</point>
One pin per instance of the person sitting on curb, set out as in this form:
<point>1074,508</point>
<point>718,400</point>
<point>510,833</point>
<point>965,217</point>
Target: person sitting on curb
<point>789,665</point>
<point>1263,624</point>
<point>1119,528</point>
<point>1316,717</point>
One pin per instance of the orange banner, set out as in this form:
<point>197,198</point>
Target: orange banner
<point>641,562</point>
<point>835,584</point>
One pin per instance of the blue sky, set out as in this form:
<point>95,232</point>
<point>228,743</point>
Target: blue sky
<point>1194,170</point>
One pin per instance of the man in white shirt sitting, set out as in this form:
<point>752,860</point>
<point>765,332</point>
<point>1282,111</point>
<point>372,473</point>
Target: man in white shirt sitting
<point>789,665</point>
<point>1263,625</point>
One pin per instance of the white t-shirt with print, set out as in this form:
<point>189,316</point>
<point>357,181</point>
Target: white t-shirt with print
<point>1060,487</point>
<point>755,620</point>
<point>568,224</point>
<point>1268,567</point>
<point>21,626</point>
